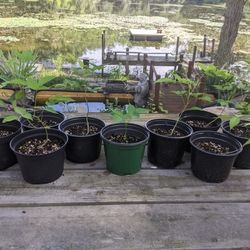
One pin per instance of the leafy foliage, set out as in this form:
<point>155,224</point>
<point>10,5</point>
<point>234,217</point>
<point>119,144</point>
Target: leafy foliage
<point>17,65</point>
<point>190,88</point>
<point>126,115</point>
<point>116,73</point>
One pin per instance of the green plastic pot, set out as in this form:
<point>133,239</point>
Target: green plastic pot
<point>122,158</point>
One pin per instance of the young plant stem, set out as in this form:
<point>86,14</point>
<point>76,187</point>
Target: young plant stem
<point>188,97</point>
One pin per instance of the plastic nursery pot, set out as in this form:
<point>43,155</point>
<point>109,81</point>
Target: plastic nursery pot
<point>124,158</point>
<point>7,157</point>
<point>212,167</point>
<point>83,149</point>
<point>167,151</point>
<point>197,112</point>
<point>243,160</point>
<point>55,117</point>
<point>40,169</point>
<point>213,121</point>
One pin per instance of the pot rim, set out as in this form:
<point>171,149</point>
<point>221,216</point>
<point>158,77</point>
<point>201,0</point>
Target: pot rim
<point>38,130</point>
<point>22,119</point>
<point>8,137</point>
<point>213,120</point>
<point>76,118</point>
<point>224,128</point>
<point>166,136</point>
<point>237,151</point>
<point>147,135</point>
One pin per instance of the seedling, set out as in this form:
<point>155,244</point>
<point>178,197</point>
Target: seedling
<point>22,85</point>
<point>189,90</point>
<point>127,114</point>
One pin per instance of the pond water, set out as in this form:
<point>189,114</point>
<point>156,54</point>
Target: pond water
<point>73,35</point>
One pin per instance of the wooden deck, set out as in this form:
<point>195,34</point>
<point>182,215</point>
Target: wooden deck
<point>89,208</point>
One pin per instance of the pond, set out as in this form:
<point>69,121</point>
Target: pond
<point>71,35</point>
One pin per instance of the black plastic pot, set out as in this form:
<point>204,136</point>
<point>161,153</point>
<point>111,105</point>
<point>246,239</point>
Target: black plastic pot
<point>7,157</point>
<point>243,160</point>
<point>197,112</point>
<point>43,115</point>
<point>83,149</point>
<point>211,167</point>
<point>167,151</point>
<point>43,168</point>
<point>199,115</point>
<point>122,158</point>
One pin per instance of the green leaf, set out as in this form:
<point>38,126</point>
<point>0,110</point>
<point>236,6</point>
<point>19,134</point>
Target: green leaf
<point>23,112</point>
<point>19,95</point>
<point>10,118</point>
<point>117,116</point>
<point>166,80</point>
<point>49,109</point>
<point>205,98</point>
<point>246,143</point>
<point>2,103</point>
<point>131,109</point>
<point>16,82</point>
<point>234,122</point>
<point>179,92</point>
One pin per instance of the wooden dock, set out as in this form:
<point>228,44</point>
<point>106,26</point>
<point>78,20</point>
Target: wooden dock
<point>146,35</point>
<point>136,58</point>
<point>89,208</point>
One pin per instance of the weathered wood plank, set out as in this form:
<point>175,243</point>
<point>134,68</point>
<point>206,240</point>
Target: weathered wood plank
<point>100,187</point>
<point>100,164</point>
<point>189,226</point>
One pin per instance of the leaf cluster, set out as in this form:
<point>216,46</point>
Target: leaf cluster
<point>127,114</point>
<point>17,65</point>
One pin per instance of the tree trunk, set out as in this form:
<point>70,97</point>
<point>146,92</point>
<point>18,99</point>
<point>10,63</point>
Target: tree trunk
<point>229,31</point>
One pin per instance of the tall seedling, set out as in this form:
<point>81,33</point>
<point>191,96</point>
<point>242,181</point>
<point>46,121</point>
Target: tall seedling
<point>189,90</point>
<point>126,115</point>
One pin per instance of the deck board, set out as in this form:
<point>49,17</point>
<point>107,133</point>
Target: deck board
<point>89,208</point>
<point>93,187</point>
<point>165,226</point>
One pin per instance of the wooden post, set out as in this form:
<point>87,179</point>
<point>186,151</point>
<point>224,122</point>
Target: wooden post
<point>151,76</point>
<point>157,93</point>
<point>204,46</point>
<point>191,63</point>
<point>127,62</point>
<point>194,53</point>
<point>181,58</point>
<point>190,68</point>
<point>138,57</point>
<point>145,63</point>
<point>103,49</point>
<point>212,52</point>
<point>177,50</point>
<point>115,57</point>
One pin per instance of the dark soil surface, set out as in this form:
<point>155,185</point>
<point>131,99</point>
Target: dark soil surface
<point>241,131</point>
<point>168,131</point>
<point>5,132</point>
<point>40,146</point>
<point>81,130</point>
<point>36,123</point>
<point>212,147</point>
<point>123,138</point>
<point>199,123</point>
